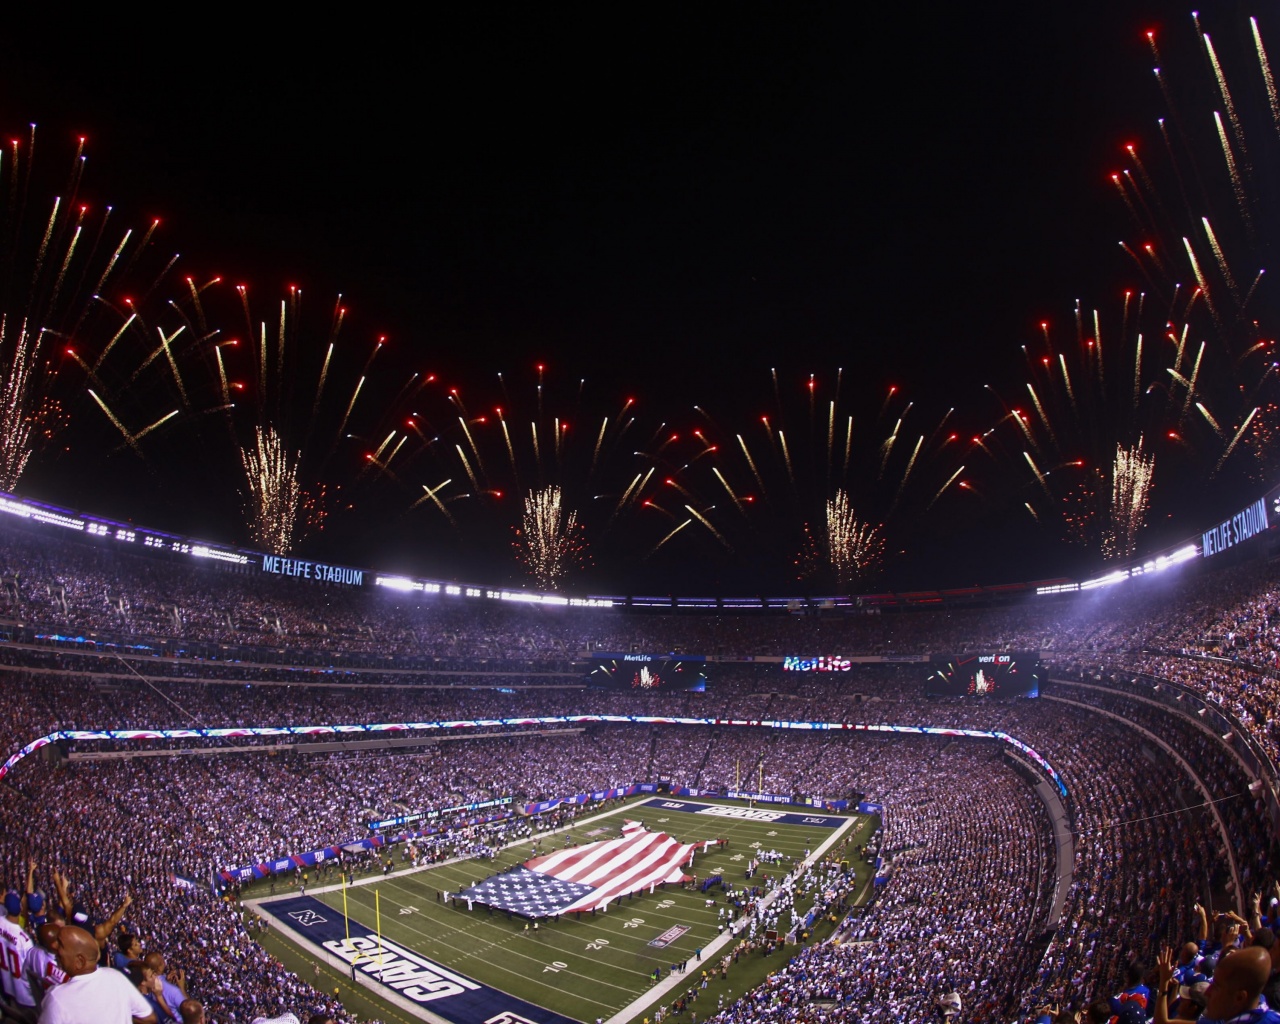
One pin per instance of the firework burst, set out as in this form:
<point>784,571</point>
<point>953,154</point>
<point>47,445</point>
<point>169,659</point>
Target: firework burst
<point>548,541</point>
<point>560,450</point>
<point>851,549</point>
<point>1086,402</point>
<point>824,448</point>
<point>1183,366</point>
<point>1197,205</point>
<point>1132,475</point>
<point>1183,369</point>
<point>274,494</point>
<point>70,328</point>
<point>298,405</point>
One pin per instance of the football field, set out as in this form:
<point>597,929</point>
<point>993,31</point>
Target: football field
<point>438,960</point>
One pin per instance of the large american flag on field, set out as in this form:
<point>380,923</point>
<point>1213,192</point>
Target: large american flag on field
<point>587,877</point>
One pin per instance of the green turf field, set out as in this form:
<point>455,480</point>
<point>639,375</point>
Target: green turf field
<point>598,966</point>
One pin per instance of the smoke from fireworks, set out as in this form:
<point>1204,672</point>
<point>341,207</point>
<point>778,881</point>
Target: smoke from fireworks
<point>271,475</point>
<point>548,542</point>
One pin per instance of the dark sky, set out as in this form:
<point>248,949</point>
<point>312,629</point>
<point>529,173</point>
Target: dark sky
<point>665,200</point>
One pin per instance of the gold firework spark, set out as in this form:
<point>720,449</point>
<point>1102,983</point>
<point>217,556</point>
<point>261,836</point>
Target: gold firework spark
<point>548,541</point>
<point>274,493</point>
<point>1132,475</point>
<point>854,548</point>
<point>18,354</point>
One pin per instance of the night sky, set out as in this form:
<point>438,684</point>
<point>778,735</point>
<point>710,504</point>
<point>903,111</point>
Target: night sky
<point>665,202</point>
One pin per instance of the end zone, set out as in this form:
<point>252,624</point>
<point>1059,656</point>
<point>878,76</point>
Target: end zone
<point>399,975</point>
<point>761,814</point>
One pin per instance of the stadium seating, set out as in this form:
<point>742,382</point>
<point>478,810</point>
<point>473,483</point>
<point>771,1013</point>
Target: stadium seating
<point>970,845</point>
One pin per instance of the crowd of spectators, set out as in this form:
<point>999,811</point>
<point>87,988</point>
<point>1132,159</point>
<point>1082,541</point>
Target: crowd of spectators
<point>970,850</point>
<point>968,845</point>
<point>969,878</point>
<point>1220,635</point>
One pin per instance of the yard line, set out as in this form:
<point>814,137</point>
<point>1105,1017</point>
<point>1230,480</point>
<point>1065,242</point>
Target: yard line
<point>534,980</point>
<point>507,936</point>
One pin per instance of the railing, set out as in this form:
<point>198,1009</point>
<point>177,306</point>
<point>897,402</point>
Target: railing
<point>1184,700</point>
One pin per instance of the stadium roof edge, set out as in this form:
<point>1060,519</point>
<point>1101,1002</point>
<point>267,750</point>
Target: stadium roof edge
<point>1216,539</point>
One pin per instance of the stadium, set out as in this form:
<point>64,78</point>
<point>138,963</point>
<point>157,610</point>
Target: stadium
<point>333,781</point>
<point>641,590</point>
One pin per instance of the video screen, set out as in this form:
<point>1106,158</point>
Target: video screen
<point>1015,674</point>
<point>647,672</point>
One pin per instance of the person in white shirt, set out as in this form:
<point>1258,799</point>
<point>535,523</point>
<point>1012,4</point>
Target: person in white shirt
<point>42,968</point>
<point>15,944</point>
<point>91,995</point>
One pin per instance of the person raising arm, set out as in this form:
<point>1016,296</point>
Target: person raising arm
<point>1233,993</point>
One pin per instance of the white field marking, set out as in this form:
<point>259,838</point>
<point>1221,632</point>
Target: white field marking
<point>505,944</point>
<point>660,990</point>
<point>635,946</point>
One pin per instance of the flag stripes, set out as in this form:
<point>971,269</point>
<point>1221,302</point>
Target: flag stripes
<point>587,877</point>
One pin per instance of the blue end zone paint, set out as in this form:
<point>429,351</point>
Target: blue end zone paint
<point>764,815</point>
<point>409,975</point>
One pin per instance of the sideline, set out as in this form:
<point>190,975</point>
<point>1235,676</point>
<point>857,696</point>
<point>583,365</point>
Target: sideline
<point>261,907</point>
<point>650,996</point>
<point>282,930</point>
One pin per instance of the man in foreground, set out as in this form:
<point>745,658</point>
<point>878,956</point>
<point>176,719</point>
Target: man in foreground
<point>91,995</point>
<point>1233,993</point>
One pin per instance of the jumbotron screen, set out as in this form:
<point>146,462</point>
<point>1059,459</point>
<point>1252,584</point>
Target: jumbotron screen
<point>1015,674</point>
<point>652,672</point>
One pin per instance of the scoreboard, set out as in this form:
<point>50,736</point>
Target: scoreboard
<point>1012,674</point>
<point>639,673</point>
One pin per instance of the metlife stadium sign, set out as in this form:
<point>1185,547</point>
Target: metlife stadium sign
<point>1244,525</point>
<point>822,663</point>
<point>319,572</point>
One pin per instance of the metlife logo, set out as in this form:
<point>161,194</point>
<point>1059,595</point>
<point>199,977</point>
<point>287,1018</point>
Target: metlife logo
<point>822,663</point>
